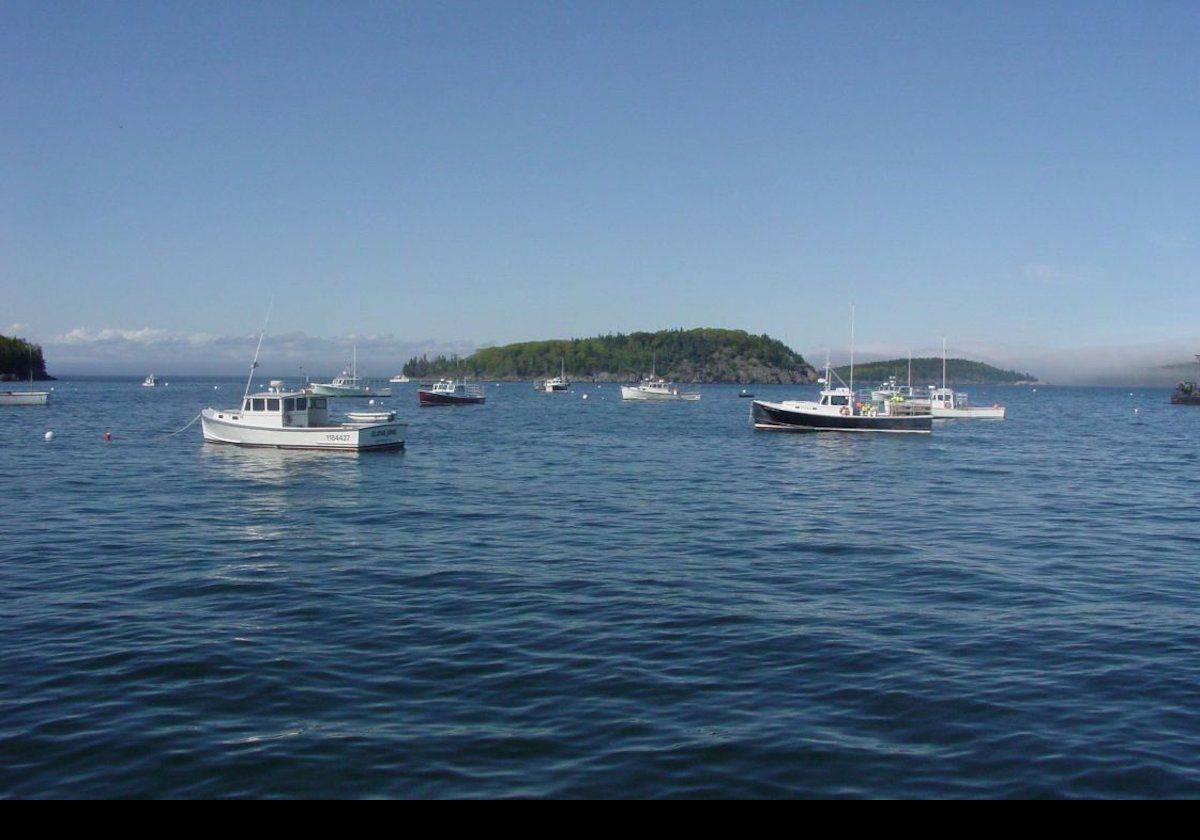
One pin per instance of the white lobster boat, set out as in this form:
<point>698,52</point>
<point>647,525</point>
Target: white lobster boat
<point>558,384</point>
<point>296,419</point>
<point>948,404</point>
<point>348,384</point>
<point>655,388</point>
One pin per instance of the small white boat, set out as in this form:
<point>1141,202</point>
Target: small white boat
<point>296,419</point>
<point>370,416</point>
<point>24,397</point>
<point>947,404</point>
<point>30,397</point>
<point>348,384</point>
<point>399,379</point>
<point>150,381</point>
<point>558,384</point>
<point>655,388</point>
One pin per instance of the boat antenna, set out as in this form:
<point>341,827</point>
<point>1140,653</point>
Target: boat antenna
<point>254,364</point>
<point>910,370</point>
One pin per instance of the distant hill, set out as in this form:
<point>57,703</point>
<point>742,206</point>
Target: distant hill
<point>18,357</point>
<point>928,371</point>
<point>697,355</point>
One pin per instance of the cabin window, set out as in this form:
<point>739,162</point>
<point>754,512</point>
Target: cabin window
<point>259,405</point>
<point>317,402</point>
<point>839,400</point>
<point>301,403</point>
<point>273,404</point>
<point>246,407</point>
<point>289,404</point>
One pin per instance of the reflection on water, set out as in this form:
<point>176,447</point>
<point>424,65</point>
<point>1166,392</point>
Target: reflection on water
<point>283,467</point>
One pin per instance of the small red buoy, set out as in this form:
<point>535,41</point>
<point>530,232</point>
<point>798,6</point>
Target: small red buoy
<point>107,437</point>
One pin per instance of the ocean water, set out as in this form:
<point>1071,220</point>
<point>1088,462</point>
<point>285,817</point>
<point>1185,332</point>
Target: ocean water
<point>547,596</point>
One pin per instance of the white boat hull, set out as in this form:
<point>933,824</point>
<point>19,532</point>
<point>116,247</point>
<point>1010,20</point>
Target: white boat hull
<point>352,437</point>
<point>972,413</point>
<point>629,392</point>
<point>24,397</point>
<point>327,390</point>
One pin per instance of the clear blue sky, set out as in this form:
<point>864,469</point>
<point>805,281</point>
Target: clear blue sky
<point>1015,173</point>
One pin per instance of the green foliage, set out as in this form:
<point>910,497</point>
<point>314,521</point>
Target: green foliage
<point>928,371</point>
<point>698,355</point>
<point>18,357</point>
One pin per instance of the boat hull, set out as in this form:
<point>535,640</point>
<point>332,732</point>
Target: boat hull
<point>971,413</point>
<point>24,397</point>
<point>347,437</point>
<point>779,417</point>
<point>633,393</point>
<point>428,398</point>
<point>326,390</point>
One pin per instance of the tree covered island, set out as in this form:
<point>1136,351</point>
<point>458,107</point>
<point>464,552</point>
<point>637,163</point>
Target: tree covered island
<point>19,358</point>
<point>697,355</point>
<point>928,371</point>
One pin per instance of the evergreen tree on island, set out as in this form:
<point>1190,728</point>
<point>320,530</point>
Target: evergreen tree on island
<point>696,355</point>
<point>19,358</point>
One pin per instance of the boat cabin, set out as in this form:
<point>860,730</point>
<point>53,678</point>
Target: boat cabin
<point>892,390</point>
<point>947,398</point>
<point>836,397</point>
<point>456,388</point>
<point>277,408</point>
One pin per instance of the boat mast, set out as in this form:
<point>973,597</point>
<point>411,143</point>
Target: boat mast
<point>910,371</point>
<point>254,364</point>
<point>851,353</point>
<point>943,363</point>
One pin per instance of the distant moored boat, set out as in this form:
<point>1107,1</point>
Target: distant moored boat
<point>451,392</point>
<point>1187,392</point>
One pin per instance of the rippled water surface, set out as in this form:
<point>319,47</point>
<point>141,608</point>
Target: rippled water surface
<point>552,596</point>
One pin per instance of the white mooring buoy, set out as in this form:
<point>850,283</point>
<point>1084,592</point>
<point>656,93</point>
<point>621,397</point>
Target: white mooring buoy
<point>49,435</point>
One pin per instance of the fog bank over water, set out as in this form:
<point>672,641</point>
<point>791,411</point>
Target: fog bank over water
<point>1161,363</point>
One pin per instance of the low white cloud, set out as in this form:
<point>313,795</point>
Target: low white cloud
<point>145,335</point>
